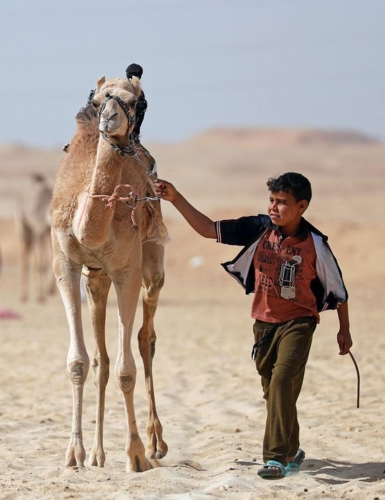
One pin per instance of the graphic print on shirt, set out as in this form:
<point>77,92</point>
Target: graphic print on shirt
<point>284,271</point>
<point>280,268</point>
<point>287,276</point>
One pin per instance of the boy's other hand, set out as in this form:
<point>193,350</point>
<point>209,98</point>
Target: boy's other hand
<point>345,342</point>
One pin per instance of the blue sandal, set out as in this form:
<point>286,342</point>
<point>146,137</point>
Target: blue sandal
<point>272,470</point>
<point>292,468</point>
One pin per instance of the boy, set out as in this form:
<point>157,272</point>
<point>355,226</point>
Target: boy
<point>289,266</point>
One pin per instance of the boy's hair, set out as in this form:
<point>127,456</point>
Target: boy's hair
<point>293,183</point>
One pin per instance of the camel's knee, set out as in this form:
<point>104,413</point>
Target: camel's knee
<point>126,383</point>
<point>97,283</point>
<point>77,371</point>
<point>158,280</point>
<point>147,342</point>
<point>154,285</point>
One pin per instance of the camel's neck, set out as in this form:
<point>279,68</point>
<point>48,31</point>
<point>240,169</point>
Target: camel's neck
<point>93,218</point>
<point>107,171</point>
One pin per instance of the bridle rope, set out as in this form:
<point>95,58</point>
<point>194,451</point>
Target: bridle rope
<point>129,194</point>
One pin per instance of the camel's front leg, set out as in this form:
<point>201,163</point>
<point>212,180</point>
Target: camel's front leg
<point>153,279</point>
<point>127,290</point>
<point>68,280</point>
<point>97,285</point>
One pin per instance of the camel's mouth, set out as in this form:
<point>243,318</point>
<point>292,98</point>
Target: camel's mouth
<point>109,125</point>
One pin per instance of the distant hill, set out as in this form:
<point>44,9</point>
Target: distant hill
<point>285,136</point>
<point>233,164</point>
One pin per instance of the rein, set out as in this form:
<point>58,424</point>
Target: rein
<point>131,196</point>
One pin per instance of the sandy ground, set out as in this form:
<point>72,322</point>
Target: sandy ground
<point>208,393</point>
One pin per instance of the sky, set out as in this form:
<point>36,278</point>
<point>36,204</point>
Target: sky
<point>207,63</point>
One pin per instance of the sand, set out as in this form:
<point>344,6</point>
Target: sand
<point>208,393</point>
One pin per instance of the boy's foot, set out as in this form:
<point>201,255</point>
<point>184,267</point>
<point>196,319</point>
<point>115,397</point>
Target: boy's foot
<point>292,468</point>
<point>272,470</point>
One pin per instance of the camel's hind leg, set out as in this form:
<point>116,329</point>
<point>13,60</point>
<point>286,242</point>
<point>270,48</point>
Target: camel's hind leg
<point>97,285</point>
<point>153,279</point>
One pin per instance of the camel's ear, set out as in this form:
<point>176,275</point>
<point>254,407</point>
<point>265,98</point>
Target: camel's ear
<point>100,82</point>
<point>136,83</point>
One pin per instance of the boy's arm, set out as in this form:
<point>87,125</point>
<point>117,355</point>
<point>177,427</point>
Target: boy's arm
<point>344,338</point>
<point>202,224</point>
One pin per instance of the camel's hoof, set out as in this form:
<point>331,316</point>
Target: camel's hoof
<point>159,455</point>
<point>75,456</point>
<point>140,465</point>
<point>96,460</point>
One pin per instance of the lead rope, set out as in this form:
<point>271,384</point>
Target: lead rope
<point>358,379</point>
<point>131,195</point>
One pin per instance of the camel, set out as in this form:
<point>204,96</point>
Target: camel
<point>34,234</point>
<point>107,225</point>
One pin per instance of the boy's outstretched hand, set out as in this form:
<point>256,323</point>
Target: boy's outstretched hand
<point>202,224</point>
<point>165,190</point>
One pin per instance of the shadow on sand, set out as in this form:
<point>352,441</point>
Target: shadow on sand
<point>344,471</point>
<point>337,472</point>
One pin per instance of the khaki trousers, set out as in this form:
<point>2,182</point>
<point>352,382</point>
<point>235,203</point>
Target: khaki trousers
<point>281,362</point>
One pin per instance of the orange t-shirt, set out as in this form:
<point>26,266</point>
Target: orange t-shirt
<point>284,271</point>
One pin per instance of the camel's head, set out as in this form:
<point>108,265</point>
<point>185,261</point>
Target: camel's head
<point>116,105</point>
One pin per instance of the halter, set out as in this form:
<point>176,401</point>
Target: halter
<point>122,150</point>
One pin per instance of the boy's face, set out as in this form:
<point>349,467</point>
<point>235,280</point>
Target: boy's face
<point>284,210</point>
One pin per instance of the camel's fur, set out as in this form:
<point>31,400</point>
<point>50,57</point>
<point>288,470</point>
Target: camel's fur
<point>103,244</point>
